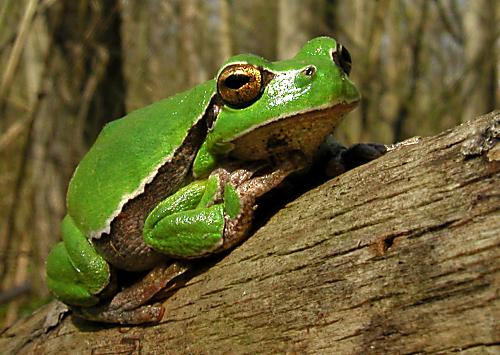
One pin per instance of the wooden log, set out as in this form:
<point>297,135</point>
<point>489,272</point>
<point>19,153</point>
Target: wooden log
<point>400,255</point>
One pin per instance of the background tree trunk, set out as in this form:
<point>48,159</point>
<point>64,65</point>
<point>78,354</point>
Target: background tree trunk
<point>72,66</point>
<point>293,18</point>
<point>481,43</point>
<point>400,255</point>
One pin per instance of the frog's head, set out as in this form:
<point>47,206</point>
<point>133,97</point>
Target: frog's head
<point>272,107</point>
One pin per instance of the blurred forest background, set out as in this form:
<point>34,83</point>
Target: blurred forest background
<point>69,66</point>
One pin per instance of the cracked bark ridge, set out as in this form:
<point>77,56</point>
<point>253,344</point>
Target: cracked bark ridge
<point>400,255</point>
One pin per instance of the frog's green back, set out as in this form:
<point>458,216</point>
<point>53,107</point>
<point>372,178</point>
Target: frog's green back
<point>126,155</point>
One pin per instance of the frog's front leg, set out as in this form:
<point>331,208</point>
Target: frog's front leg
<point>197,222</point>
<point>336,159</point>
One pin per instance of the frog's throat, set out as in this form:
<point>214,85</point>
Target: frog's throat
<point>302,131</point>
<point>340,107</point>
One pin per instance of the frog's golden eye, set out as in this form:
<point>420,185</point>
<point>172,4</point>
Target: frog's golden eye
<point>342,58</point>
<point>239,85</point>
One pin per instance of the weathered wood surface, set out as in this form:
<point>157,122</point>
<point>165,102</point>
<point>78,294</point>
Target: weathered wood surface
<point>400,255</point>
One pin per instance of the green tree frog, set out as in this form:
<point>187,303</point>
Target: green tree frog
<point>179,179</point>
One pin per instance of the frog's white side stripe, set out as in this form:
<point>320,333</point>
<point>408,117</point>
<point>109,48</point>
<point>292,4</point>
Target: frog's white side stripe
<point>106,229</point>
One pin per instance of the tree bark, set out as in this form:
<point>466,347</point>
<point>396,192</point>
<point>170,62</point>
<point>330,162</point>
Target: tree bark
<point>400,255</point>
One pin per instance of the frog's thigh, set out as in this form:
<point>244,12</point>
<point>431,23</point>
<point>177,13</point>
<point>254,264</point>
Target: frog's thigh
<point>75,272</point>
<point>188,234</point>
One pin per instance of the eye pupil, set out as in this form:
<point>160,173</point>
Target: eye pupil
<point>236,81</point>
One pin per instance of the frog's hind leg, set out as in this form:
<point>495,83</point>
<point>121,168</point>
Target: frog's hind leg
<point>129,306</point>
<point>76,273</point>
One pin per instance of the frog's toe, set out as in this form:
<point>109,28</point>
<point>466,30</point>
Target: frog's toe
<point>107,314</point>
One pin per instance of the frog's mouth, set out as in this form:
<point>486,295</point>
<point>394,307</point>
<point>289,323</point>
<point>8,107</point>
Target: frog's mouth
<point>303,131</point>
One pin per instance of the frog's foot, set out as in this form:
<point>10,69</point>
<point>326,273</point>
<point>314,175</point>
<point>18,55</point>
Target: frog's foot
<point>106,314</point>
<point>129,306</point>
<point>342,159</point>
